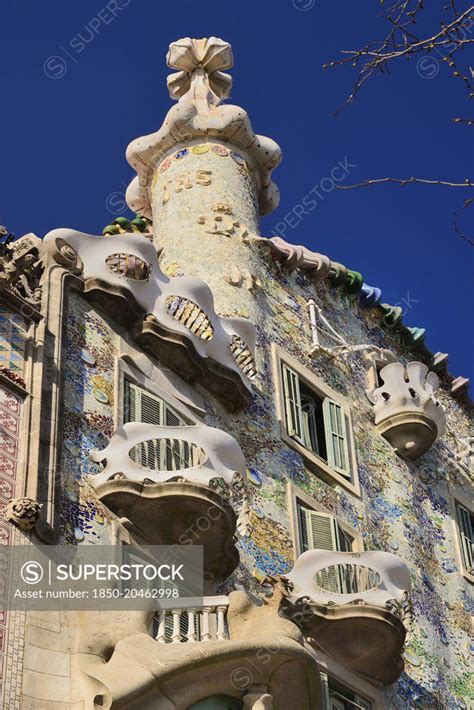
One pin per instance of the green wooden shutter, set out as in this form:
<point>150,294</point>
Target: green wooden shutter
<point>336,437</point>
<point>467,538</point>
<point>293,411</point>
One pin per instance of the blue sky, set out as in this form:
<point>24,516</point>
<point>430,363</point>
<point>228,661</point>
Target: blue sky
<point>63,139</point>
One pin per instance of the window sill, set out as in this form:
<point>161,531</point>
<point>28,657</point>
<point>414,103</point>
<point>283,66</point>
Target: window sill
<point>13,386</point>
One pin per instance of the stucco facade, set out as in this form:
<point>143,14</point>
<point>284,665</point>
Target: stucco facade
<point>310,403</point>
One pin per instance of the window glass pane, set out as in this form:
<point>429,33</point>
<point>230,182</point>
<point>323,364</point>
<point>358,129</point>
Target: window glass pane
<point>312,418</point>
<point>293,412</point>
<point>343,698</point>
<point>12,340</point>
<point>466,525</point>
<point>303,528</point>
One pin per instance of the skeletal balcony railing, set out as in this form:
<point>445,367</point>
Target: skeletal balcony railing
<point>355,607</point>
<point>324,576</point>
<point>174,318</point>
<point>177,485</point>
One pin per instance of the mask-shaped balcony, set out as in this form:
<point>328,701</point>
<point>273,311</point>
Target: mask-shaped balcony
<point>355,608</point>
<point>405,410</point>
<point>173,485</point>
<point>173,318</point>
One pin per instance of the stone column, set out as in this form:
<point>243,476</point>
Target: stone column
<point>257,698</point>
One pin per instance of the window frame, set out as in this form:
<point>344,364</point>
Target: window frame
<point>351,680</point>
<point>324,681</point>
<point>322,468</point>
<point>457,499</point>
<point>296,497</point>
<point>31,320</point>
<point>125,371</point>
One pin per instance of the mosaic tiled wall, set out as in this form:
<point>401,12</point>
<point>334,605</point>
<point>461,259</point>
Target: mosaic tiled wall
<point>404,508</point>
<point>91,348</point>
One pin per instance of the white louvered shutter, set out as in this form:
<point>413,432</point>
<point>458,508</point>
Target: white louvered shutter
<point>336,437</point>
<point>323,535</point>
<point>141,406</point>
<point>322,530</point>
<point>293,410</point>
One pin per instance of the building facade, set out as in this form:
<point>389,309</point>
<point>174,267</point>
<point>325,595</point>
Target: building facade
<point>181,379</point>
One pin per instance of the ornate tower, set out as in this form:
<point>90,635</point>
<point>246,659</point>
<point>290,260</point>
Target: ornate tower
<point>204,178</point>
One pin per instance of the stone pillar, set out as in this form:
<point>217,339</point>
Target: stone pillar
<point>257,698</point>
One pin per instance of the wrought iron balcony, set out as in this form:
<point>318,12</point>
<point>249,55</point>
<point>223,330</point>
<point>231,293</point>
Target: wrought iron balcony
<point>355,607</point>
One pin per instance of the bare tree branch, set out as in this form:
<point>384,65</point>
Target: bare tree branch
<point>401,42</point>
<point>406,181</point>
<point>459,231</point>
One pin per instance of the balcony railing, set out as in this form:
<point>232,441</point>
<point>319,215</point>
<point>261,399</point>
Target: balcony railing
<point>343,577</point>
<point>347,578</point>
<point>201,622</point>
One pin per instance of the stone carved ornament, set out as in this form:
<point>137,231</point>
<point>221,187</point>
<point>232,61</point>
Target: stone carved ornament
<point>199,85</point>
<point>152,290</point>
<point>20,266</point>
<point>23,512</point>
